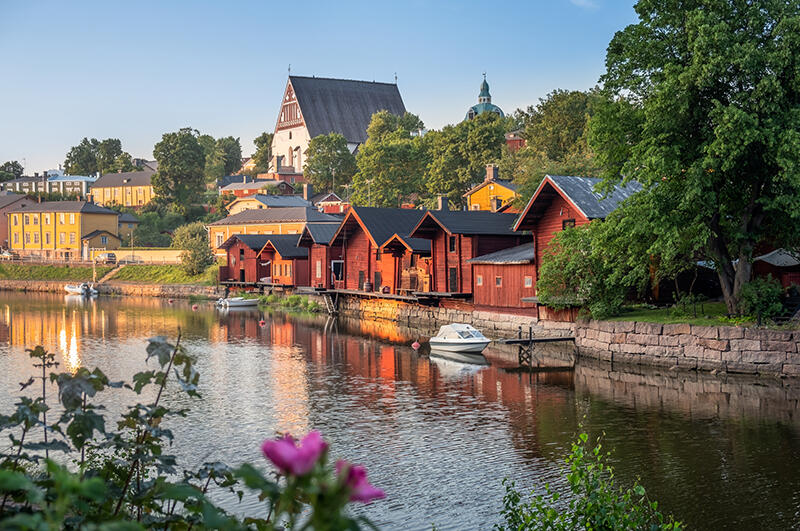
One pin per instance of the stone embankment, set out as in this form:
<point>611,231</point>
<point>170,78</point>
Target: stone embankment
<point>730,349</point>
<point>131,289</point>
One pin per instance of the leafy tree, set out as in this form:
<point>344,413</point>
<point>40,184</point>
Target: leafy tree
<point>197,256</point>
<point>183,236</point>
<point>10,170</point>
<point>155,227</point>
<point>225,158</point>
<point>82,159</point>
<point>329,163</point>
<point>179,179</point>
<point>459,154</point>
<point>713,124</point>
<point>391,163</point>
<point>263,154</point>
<point>122,163</point>
<point>108,151</point>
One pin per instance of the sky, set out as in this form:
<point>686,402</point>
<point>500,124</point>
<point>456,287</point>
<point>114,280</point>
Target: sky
<point>135,70</point>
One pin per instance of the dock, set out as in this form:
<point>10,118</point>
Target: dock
<point>527,346</point>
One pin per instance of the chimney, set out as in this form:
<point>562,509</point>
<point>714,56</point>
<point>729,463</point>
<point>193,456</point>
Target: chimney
<point>491,172</point>
<point>442,203</point>
<point>36,174</point>
<point>308,191</point>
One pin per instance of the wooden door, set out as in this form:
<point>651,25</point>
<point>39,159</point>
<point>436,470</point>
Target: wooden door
<point>452,280</point>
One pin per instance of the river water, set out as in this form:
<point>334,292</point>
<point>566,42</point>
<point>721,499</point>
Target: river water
<point>437,435</point>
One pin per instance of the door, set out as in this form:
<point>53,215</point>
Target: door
<point>378,281</point>
<point>241,275</point>
<point>452,280</point>
<point>361,280</point>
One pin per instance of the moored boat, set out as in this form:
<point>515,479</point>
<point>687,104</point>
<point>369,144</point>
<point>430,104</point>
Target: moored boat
<point>459,337</point>
<point>76,289</point>
<point>236,302</point>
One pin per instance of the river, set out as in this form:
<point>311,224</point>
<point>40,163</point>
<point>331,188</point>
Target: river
<point>438,436</point>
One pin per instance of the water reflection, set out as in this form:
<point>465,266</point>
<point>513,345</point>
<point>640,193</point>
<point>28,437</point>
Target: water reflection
<point>437,434</point>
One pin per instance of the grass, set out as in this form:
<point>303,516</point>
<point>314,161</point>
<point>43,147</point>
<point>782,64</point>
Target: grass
<point>711,313</point>
<point>163,274</point>
<point>50,272</point>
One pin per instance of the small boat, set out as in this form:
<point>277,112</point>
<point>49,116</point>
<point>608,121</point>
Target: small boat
<point>459,337</point>
<point>236,302</point>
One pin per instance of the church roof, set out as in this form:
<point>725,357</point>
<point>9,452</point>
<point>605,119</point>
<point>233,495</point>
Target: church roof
<point>343,106</point>
<point>481,108</point>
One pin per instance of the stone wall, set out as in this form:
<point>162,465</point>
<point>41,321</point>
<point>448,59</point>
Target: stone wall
<point>706,348</point>
<point>176,291</point>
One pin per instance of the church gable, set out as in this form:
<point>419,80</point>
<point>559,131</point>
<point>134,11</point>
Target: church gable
<point>290,115</point>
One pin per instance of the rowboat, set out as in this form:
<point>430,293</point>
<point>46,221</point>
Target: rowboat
<point>459,337</point>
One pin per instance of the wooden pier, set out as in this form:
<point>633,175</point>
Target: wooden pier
<point>527,346</point>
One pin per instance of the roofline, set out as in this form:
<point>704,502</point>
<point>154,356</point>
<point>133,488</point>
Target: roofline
<point>342,79</point>
<point>427,212</point>
<point>99,232</point>
<point>352,211</point>
<point>400,239</point>
<point>269,242</point>
<point>546,179</point>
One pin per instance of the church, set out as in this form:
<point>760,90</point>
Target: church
<point>314,106</point>
<point>484,103</point>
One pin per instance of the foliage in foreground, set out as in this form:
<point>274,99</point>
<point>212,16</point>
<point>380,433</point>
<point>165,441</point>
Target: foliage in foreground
<point>594,502</point>
<point>123,478</point>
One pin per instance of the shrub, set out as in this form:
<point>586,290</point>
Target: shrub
<point>595,501</point>
<point>197,257</point>
<point>761,298</point>
<point>294,301</point>
<point>273,298</point>
<point>184,236</point>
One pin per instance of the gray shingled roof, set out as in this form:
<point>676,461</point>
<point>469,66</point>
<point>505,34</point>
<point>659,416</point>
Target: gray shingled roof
<point>417,245</point>
<point>286,245</point>
<point>84,207</point>
<point>521,254</point>
<point>130,178</point>
<point>97,233</point>
<point>274,201</point>
<point>128,218</point>
<point>593,204</point>
<point>9,198</point>
<point>343,106</point>
<point>254,185</point>
<point>320,232</point>
<point>383,223</point>
<point>475,221</point>
<point>277,215</point>
<point>253,241</point>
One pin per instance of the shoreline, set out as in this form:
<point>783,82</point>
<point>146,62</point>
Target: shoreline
<point>176,291</point>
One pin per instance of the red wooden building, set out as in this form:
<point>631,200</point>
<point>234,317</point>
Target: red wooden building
<point>325,263</point>
<point>285,264</point>
<point>504,279</point>
<point>242,252</point>
<point>458,236</point>
<point>361,236</point>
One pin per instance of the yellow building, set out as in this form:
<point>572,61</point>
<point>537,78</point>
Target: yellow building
<point>492,194</point>
<point>127,223</point>
<point>289,220</point>
<point>56,229</point>
<point>131,189</point>
<point>258,201</point>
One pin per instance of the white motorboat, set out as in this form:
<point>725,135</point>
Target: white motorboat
<point>236,302</point>
<point>459,337</point>
<point>76,289</point>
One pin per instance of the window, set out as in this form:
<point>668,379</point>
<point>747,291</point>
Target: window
<point>220,240</point>
<point>130,225</point>
<point>476,207</point>
<point>498,281</point>
<point>27,237</point>
<point>16,237</point>
<point>61,237</point>
<point>47,219</point>
<point>479,280</point>
<point>25,220</point>
<point>337,269</point>
<point>378,254</point>
<point>567,223</point>
<point>71,219</point>
<point>71,237</point>
<point>47,238</point>
<point>452,243</point>
<point>61,218</point>
<point>319,269</point>
<point>35,220</point>
<point>288,270</point>
<point>290,135</point>
<point>104,240</point>
<point>35,237</point>
<point>528,282</point>
<point>15,218</point>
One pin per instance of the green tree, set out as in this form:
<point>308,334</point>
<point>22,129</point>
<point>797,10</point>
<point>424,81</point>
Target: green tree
<point>185,234</point>
<point>263,154</point>
<point>82,159</point>
<point>224,158</point>
<point>459,155</point>
<point>122,163</point>
<point>108,151</point>
<point>179,179</point>
<point>10,170</point>
<point>713,132</point>
<point>197,256</point>
<point>329,163</point>
<point>391,163</point>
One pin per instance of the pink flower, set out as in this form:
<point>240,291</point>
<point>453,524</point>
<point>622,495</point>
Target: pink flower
<point>292,459</point>
<point>355,477</point>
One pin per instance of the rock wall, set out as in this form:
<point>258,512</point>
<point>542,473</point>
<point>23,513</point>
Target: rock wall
<point>706,348</point>
<point>176,291</point>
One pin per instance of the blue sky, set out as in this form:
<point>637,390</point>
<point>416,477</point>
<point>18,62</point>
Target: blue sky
<point>135,70</point>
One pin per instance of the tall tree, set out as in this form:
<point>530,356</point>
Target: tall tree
<point>107,152</point>
<point>82,159</point>
<point>714,130</point>
<point>459,155</point>
<point>223,156</point>
<point>263,153</point>
<point>391,163</point>
<point>179,179</point>
<point>10,170</point>
<point>329,163</point>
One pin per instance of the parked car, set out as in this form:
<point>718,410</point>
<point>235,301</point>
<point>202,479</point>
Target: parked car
<point>5,254</point>
<point>106,258</point>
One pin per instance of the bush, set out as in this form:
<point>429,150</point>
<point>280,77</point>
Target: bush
<point>124,478</point>
<point>595,502</point>
<point>294,301</point>
<point>273,298</point>
<point>197,257</point>
<point>184,236</point>
<point>761,298</point>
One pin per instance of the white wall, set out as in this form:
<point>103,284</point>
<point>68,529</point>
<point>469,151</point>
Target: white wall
<point>281,145</point>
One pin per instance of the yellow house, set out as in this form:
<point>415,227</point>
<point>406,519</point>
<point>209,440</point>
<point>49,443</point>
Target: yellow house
<point>62,229</point>
<point>492,193</point>
<point>258,201</point>
<point>288,220</point>
<point>131,189</point>
<point>127,223</point>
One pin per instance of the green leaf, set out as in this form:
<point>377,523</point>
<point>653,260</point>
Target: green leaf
<point>158,347</point>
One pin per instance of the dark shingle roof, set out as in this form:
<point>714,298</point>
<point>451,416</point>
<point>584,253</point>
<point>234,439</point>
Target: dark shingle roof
<point>321,232</point>
<point>275,201</point>
<point>417,245</point>
<point>286,245</point>
<point>130,178</point>
<point>7,199</point>
<point>343,106</point>
<point>593,204</point>
<point>83,207</point>
<point>325,196</point>
<point>383,223</point>
<point>253,241</point>
<point>475,221</point>
<point>128,218</point>
<point>97,233</point>
<point>255,185</point>
<point>521,254</point>
<point>277,215</point>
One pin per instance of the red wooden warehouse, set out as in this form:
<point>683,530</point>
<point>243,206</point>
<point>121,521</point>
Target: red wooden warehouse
<point>503,279</point>
<point>284,263</point>
<point>242,252</point>
<point>325,263</point>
